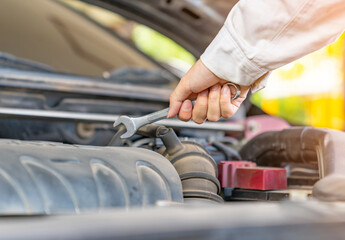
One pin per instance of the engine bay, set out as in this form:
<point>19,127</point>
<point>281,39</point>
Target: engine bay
<point>65,172</point>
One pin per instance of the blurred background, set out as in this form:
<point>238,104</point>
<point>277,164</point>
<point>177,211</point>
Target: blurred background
<point>309,91</point>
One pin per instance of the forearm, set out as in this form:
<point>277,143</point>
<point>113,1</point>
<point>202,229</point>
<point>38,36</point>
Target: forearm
<point>262,35</point>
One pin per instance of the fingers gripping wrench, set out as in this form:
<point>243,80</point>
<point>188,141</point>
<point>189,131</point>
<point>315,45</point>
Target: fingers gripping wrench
<point>133,124</point>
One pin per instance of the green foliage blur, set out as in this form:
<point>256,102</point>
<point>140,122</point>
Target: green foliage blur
<point>160,47</point>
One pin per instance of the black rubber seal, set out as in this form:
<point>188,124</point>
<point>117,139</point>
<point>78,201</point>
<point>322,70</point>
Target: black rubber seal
<point>202,176</point>
<point>201,194</point>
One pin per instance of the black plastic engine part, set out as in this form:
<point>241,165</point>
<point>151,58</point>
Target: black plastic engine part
<point>57,131</point>
<point>197,169</point>
<point>44,178</point>
<point>116,140</point>
<point>230,153</point>
<point>23,90</point>
<point>234,194</point>
<point>307,145</point>
<point>141,76</point>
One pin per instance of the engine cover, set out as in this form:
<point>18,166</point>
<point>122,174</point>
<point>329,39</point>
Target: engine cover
<point>44,178</point>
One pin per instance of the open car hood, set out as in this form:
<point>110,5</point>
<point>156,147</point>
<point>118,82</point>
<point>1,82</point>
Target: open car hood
<point>191,23</point>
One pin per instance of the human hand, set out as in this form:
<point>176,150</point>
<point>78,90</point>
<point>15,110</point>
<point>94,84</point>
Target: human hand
<point>213,98</point>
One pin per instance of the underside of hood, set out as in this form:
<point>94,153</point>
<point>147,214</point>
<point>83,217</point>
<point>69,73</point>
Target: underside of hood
<point>191,23</point>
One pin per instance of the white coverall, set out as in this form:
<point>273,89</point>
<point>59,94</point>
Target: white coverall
<point>261,35</point>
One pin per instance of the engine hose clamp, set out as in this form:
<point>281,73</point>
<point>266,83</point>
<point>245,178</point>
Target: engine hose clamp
<point>237,88</point>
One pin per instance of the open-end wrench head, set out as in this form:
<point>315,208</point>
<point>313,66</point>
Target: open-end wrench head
<point>128,123</point>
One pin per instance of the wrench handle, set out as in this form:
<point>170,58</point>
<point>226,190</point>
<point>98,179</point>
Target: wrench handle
<point>155,116</point>
<point>159,115</point>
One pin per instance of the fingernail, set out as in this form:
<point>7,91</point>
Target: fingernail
<point>187,106</point>
<point>225,90</point>
<point>204,93</point>
<point>215,87</point>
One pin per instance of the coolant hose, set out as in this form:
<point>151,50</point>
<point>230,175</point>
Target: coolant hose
<point>196,168</point>
<point>322,147</point>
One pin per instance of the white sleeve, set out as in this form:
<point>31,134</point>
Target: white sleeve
<point>261,35</point>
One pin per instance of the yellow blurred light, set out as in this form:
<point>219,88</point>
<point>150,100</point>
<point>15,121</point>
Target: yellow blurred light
<point>310,90</point>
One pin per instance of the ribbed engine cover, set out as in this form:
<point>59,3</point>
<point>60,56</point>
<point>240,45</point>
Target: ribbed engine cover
<point>44,178</point>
